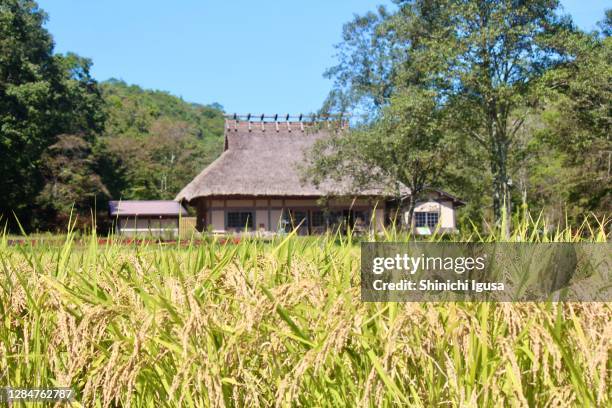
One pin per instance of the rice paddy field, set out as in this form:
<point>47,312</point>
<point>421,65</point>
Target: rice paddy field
<point>280,323</point>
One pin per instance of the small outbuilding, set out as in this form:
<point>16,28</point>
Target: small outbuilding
<point>156,218</point>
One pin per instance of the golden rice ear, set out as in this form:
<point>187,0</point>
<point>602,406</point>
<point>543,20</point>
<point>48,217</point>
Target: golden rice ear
<point>262,323</point>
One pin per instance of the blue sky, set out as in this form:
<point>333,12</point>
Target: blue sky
<point>266,56</point>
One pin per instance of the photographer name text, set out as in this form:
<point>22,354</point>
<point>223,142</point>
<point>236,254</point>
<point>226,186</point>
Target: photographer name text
<point>436,285</point>
<point>410,265</point>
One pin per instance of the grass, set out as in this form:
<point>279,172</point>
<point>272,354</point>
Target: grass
<point>281,324</point>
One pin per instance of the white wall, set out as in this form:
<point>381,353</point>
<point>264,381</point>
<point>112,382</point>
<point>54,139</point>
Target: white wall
<point>217,220</point>
<point>275,216</point>
<point>379,219</point>
<point>142,227</point>
<point>261,217</point>
<point>447,215</point>
<point>445,209</point>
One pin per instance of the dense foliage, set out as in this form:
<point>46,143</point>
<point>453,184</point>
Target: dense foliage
<point>407,144</point>
<point>42,96</point>
<point>154,143</point>
<point>576,128</point>
<point>521,95</point>
<point>68,143</point>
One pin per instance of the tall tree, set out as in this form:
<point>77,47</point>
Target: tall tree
<point>404,147</point>
<point>481,57</point>
<point>41,96</point>
<point>578,121</point>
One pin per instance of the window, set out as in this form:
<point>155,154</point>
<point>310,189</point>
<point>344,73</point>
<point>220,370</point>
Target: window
<point>142,223</point>
<point>168,223</point>
<point>318,219</point>
<point>240,219</point>
<point>299,217</point>
<point>127,223</point>
<point>336,219</point>
<point>361,219</point>
<point>426,219</point>
<point>295,219</point>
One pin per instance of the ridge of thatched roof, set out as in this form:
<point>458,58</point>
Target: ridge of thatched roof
<point>262,159</point>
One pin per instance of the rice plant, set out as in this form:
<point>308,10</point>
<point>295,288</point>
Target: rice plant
<point>281,323</point>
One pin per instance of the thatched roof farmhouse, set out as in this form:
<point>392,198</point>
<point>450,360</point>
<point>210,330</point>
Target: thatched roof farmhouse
<point>257,184</point>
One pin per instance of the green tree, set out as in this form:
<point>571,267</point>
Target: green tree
<point>481,57</point>
<point>154,143</point>
<point>578,122</point>
<point>606,24</point>
<point>71,183</point>
<point>405,146</point>
<point>41,96</point>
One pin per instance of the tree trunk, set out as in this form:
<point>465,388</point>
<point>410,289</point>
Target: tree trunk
<point>501,188</point>
<point>410,211</point>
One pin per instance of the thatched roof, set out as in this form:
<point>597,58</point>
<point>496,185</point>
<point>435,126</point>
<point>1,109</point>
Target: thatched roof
<point>262,159</point>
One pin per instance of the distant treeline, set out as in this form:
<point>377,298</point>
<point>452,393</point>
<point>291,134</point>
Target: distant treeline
<point>68,143</point>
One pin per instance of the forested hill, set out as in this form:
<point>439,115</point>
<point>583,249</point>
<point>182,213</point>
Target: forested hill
<point>151,145</point>
<point>131,107</point>
<point>154,143</point>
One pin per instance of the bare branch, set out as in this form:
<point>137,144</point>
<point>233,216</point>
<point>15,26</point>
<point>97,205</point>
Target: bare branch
<point>516,125</point>
<point>477,137</point>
